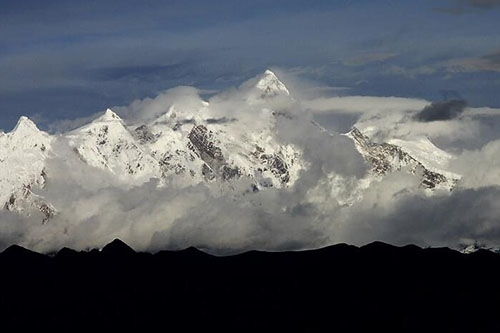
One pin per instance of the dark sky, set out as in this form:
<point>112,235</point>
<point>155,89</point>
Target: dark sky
<point>67,59</point>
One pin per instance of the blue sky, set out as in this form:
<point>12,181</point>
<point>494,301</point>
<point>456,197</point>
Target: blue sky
<point>67,59</point>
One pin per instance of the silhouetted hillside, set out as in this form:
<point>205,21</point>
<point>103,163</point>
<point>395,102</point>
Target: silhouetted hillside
<point>338,288</point>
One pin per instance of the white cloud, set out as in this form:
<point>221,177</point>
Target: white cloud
<point>364,104</point>
<point>185,99</point>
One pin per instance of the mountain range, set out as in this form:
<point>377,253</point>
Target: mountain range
<point>192,143</point>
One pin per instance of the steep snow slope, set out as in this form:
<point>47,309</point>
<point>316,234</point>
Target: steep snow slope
<point>424,151</point>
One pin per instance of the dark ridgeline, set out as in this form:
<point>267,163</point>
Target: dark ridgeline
<point>338,288</point>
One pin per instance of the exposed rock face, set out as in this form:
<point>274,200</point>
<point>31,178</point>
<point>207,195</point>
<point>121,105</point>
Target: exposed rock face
<point>274,163</point>
<point>385,158</point>
<point>203,141</point>
<point>26,202</point>
<point>144,134</point>
<point>203,144</point>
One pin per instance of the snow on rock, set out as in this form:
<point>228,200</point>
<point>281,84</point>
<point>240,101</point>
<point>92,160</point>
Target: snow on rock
<point>264,86</point>
<point>23,152</point>
<point>424,151</point>
<point>405,155</point>
<point>270,85</point>
<point>107,144</point>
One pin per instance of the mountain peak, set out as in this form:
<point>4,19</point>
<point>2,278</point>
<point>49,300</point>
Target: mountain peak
<point>269,72</point>
<point>24,124</point>
<point>109,115</point>
<point>270,85</point>
<point>17,252</point>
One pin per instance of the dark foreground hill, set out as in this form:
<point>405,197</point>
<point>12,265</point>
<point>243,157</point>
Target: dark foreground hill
<point>339,288</point>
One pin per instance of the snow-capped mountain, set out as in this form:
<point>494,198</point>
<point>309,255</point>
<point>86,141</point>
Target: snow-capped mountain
<point>192,145</point>
<point>107,144</point>
<point>420,158</point>
<point>23,152</point>
<point>265,86</point>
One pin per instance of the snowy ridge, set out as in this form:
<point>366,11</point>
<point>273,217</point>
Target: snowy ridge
<point>430,156</point>
<point>406,155</point>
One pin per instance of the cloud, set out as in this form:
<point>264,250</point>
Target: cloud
<point>488,62</point>
<point>363,104</point>
<point>481,167</point>
<point>220,217</point>
<point>69,61</point>
<point>462,217</point>
<point>413,72</point>
<point>65,125</point>
<point>464,6</point>
<point>483,3</point>
<point>444,110</point>
<point>385,118</point>
<point>140,72</point>
<point>368,58</point>
<point>185,99</point>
